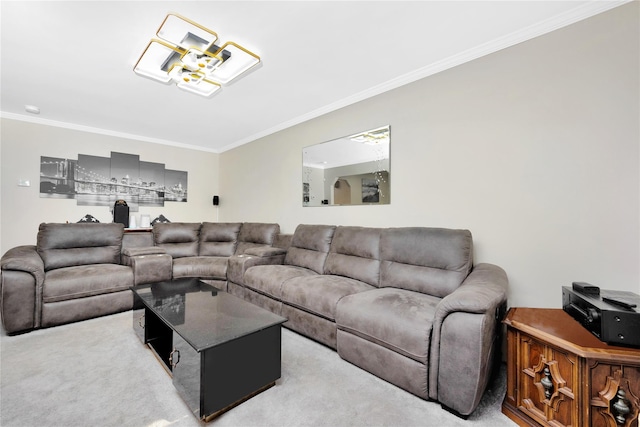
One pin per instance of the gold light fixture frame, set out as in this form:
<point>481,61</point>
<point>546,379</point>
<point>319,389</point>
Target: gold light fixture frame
<point>186,54</point>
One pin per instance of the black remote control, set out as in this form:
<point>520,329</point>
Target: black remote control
<point>620,302</point>
<point>586,288</point>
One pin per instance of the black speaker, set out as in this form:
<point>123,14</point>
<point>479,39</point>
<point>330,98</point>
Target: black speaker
<point>121,214</point>
<point>216,200</point>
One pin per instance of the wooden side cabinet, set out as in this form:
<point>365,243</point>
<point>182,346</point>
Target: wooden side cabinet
<point>559,374</point>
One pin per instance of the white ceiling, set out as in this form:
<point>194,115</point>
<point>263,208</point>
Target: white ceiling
<point>74,59</point>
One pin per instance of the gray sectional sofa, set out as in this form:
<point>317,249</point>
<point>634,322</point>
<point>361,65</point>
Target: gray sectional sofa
<point>406,304</point>
<point>84,270</point>
<point>199,250</point>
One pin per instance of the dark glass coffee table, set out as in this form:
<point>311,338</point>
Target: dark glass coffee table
<point>219,349</point>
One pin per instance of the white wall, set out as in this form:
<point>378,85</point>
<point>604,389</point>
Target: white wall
<point>23,209</point>
<point>535,149</point>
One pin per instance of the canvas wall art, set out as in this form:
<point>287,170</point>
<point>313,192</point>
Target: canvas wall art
<point>100,181</point>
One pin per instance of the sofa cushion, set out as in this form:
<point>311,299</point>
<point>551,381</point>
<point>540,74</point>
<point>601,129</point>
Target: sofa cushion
<point>66,245</point>
<point>434,261</point>
<point>218,239</point>
<point>309,247</point>
<point>204,267</point>
<point>397,319</point>
<point>320,294</point>
<point>179,239</point>
<point>355,253</point>
<point>254,234</point>
<point>85,280</point>
<point>268,279</point>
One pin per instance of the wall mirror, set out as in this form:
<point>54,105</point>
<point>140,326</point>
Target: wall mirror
<point>352,170</point>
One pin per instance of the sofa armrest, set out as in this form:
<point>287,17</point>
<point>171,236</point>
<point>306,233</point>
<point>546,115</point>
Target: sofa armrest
<point>24,258</point>
<point>149,250</point>
<point>128,254</point>
<point>238,264</point>
<point>21,288</point>
<point>465,331</point>
<point>265,251</point>
<point>149,264</point>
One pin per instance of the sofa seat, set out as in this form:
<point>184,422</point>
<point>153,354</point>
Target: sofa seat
<point>268,279</point>
<point>320,294</point>
<point>204,267</point>
<point>397,319</point>
<point>84,281</point>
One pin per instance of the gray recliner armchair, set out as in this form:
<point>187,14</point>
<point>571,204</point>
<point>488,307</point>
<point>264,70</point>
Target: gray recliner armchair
<point>72,273</point>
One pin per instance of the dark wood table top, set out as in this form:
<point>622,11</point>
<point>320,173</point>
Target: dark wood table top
<point>558,328</point>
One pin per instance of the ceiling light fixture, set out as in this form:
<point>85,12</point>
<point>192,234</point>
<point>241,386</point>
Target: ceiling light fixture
<point>186,53</point>
<point>372,137</point>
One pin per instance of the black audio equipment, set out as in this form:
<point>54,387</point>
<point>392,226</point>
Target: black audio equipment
<point>612,316</point>
<point>121,213</point>
<point>216,200</point>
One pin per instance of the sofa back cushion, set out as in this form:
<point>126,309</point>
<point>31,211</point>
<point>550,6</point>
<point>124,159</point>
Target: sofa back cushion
<point>219,238</point>
<point>433,261</point>
<point>355,253</point>
<point>67,245</point>
<point>254,234</point>
<point>309,247</point>
<point>179,239</point>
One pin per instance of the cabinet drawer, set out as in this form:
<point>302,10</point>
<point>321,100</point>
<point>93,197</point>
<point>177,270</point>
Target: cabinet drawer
<point>548,378</point>
<point>614,394</point>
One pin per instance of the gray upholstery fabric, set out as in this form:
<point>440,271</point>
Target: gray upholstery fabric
<point>138,251</point>
<point>469,358</point>
<point>283,241</point>
<point>137,240</point>
<point>24,258</point>
<point>320,294</point>
<point>218,239</point>
<point>73,273</point>
<point>58,313</point>
<point>85,280</point>
<point>239,264</point>
<point>310,325</point>
<point>434,261</point>
<point>150,268</point>
<point>179,239</point>
<point>397,319</point>
<point>216,283</point>
<point>265,251</point>
<point>254,234</point>
<point>256,298</point>
<point>21,283</point>
<point>19,302</point>
<point>66,245</point>
<point>310,245</point>
<point>482,293</point>
<point>268,279</point>
<point>402,371</point>
<point>205,267</point>
<point>355,253</point>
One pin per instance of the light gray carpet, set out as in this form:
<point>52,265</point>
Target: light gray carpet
<point>97,373</point>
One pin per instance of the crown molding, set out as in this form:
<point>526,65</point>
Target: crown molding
<point>99,131</point>
<point>572,16</point>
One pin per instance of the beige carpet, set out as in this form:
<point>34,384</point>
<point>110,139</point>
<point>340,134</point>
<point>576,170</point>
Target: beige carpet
<point>97,373</point>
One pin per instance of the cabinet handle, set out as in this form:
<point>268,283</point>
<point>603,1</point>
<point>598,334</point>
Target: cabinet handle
<point>621,408</point>
<point>547,383</point>
<point>173,354</point>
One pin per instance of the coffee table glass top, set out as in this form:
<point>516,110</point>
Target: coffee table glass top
<point>203,315</point>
